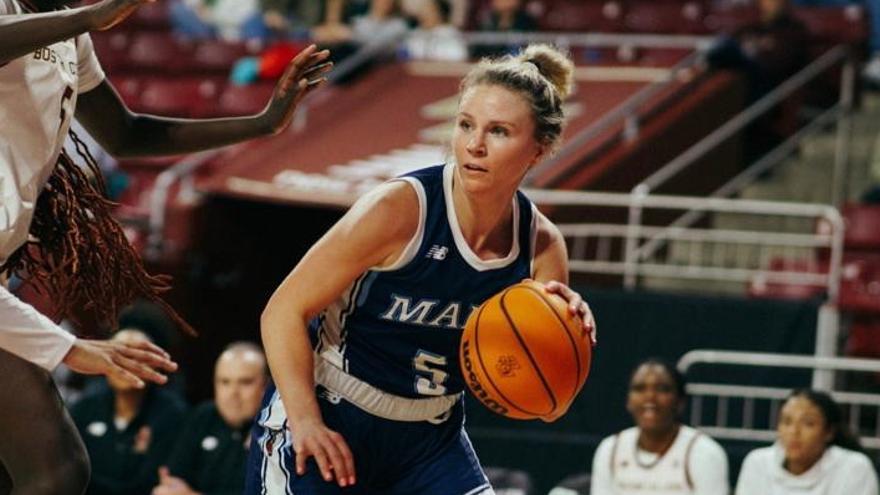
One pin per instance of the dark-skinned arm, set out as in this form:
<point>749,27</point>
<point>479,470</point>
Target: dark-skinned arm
<point>126,134</point>
<point>21,34</point>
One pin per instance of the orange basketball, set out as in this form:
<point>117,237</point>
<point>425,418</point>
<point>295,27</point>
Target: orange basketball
<point>523,355</point>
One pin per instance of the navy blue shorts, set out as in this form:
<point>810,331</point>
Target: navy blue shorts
<point>391,457</point>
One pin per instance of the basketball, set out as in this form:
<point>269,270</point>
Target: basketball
<point>523,355</point>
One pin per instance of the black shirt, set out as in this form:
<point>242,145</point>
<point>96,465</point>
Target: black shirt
<point>126,461</point>
<point>209,454</point>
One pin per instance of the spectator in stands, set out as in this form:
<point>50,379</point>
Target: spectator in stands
<point>231,20</point>
<point>436,38</point>
<point>291,18</point>
<point>503,16</point>
<point>127,431</point>
<point>209,457</point>
<point>767,53</point>
<point>659,451</point>
<point>815,453</point>
<point>382,22</point>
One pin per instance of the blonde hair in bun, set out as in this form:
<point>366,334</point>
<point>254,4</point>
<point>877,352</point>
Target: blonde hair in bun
<point>541,74</point>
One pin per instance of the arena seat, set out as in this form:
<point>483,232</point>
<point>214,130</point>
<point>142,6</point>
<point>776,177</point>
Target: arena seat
<point>150,16</point>
<point>244,100</point>
<point>575,15</point>
<point>179,97</point>
<point>158,53</point>
<point>864,338</point>
<point>835,24</point>
<point>664,17</point>
<point>760,287</point>
<point>727,19</point>
<point>862,226</point>
<point>111,49</point>
<point>217,56</point>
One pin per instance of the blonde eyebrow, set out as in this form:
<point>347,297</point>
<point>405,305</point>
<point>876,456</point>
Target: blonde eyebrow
<point>491,122</point>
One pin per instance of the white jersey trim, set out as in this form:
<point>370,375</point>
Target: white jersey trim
<point>412,248</point>
<point>467,253</point>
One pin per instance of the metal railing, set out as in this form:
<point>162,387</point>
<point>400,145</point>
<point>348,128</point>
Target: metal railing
<point>838,113</point>
<point>712,253</point>
<point>853,403</point>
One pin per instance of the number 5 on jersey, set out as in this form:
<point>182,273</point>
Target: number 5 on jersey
<point>431,377</point>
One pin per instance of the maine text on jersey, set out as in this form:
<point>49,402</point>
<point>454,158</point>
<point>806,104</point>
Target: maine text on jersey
<point>427,312</point>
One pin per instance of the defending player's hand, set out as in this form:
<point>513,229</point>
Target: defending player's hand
<point>330,450</point>
<point>131,362</point>
<point>108,13</point>
<point>303,75</point>
<point>576,306</point>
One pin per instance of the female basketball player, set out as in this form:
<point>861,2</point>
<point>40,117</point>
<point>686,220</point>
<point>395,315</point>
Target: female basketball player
<point>659,455</point>
<point>815,454</point>
<point>78,254</point>
<point>373,381</point>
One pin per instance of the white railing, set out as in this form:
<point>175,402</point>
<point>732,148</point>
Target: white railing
<point>710,253</point>
<point>750,427</point>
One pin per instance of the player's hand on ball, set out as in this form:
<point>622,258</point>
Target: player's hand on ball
<point>576,306</point>
<point>303,75</point>
<point>109,13</point>
<point>312,438</point>
<point>129,362</point>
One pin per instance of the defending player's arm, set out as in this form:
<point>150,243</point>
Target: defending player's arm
<point>21,34</point>
<point>550,267</point>
<point>372,233</point>
<point>124,133</point>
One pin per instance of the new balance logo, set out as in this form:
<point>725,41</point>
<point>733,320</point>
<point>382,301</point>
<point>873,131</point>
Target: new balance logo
<point>437,252</point>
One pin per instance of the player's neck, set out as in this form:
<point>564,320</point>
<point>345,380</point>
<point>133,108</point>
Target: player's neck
<point>128,403</point>
<point>658,442</point>
<point>484,222</point>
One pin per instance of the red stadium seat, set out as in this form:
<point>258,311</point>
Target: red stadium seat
<point>862,226</point>
<point>180,97</point>
<point>864,338</point>
<point>217,55</point>
<point>577,15</point>
<point>244,100</point>
<point>111,49</point>
<point>158,52</point>
<point>835,24</point>
<point>150,16</point>
<point>664,17</point>
<point>729,19</point>
<point>760,287</point>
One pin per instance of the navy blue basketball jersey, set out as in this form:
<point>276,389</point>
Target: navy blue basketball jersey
<point>399,328</point>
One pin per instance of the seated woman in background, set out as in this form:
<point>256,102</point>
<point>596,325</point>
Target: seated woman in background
<point>815,453</point>
<point>659,455</point>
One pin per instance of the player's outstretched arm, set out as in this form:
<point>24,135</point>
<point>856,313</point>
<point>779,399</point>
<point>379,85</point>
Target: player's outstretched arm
<point>130,362</point>
<point>124,133</point>
<point>21,34</point>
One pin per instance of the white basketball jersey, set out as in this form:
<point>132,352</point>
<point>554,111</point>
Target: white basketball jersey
<point>635,472</point>
<point>38,94</point>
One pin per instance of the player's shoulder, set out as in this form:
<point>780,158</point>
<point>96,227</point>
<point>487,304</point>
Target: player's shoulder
<point>704,445</point>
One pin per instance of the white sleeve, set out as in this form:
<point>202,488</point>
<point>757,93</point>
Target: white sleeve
<point>858,477</point>
<point>750,479</point>
<point>600,478</point>
<point>30,335</point>
<point>89,71</point>
<point>708,468</point>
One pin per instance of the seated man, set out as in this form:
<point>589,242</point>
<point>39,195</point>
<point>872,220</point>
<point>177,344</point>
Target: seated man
<point>127,431</point>
<point>210,455</point>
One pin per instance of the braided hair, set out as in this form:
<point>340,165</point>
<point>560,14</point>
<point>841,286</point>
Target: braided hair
<point>78,254</point>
